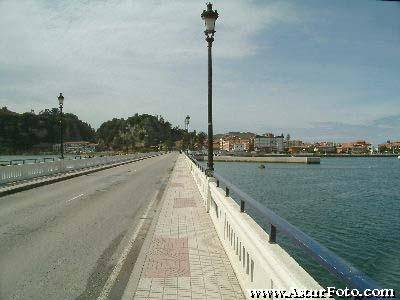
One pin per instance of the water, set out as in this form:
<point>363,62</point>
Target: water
<point>350,205</point>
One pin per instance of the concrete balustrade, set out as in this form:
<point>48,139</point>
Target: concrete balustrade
<point>14,173</point>
<point>257,263</point>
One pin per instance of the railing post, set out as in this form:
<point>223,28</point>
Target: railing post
<point>208,204</point>
<point>226,192</point>
<point>241,206</point>
<point>217,183</point>
<point>272,234</point>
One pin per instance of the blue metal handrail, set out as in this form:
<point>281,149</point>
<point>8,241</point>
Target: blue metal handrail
<point>336,265</point>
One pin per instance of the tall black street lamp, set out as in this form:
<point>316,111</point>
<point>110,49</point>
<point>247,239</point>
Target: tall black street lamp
<point>61,103</point>
<point>187,119</point>
<point>210,16</point>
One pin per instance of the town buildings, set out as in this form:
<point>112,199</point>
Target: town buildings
<point>76,147</point>
<point>233,143</point>
<point>269,143</point>
<point>325,147</point>
<point>389,147</point>
<point>357,147</point>
<point>237,142</point>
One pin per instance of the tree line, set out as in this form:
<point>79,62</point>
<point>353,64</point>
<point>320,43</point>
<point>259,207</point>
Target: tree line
<point>25,132</point>
<point>146,132</point>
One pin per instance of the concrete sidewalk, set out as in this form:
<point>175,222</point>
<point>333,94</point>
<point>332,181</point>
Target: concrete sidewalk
<point>184,258</point>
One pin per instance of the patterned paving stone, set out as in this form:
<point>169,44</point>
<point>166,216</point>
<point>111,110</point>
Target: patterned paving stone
<point>168,257</point>
<point>184,202</point>
<point>186,259</point>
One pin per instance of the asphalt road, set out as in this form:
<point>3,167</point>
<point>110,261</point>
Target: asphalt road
<point>61,241</point>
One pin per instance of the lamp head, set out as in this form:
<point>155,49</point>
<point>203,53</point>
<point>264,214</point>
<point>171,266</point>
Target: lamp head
<point>209,16</point>
<point>61,100</point>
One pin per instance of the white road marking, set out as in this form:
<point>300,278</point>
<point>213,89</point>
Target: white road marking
<point>76,197</point>
<point>118,267</point>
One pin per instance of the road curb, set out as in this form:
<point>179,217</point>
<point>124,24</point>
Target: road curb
<point>33,185</point>
<point>133,282</point>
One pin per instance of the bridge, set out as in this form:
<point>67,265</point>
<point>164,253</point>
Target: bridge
<point>148,226</point>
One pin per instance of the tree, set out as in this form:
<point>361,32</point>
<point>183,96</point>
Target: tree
<point>21,132</point>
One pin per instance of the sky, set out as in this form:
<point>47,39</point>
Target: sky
<point>319,70</point>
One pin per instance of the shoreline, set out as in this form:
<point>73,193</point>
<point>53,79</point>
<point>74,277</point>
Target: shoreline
<point>266,159</point>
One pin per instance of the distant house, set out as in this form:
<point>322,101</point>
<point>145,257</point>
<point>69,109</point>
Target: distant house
<point>389,147</point>
<point>76,147</point>
<point>238,148</point>
<point>235,143</point>
<point>269,143</point>
<point>216,145</point>
<point>293,143</point>
<point>325,147</point>
<point>357,147</point>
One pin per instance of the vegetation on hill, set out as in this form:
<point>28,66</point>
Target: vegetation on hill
<point>27,132</point>
<point>30,132</point>
<point>144,132</point>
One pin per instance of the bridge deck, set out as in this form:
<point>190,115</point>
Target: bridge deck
<point>185,259</point>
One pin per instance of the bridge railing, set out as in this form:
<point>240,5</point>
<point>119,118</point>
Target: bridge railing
<point>23,161</point>
<point>254,252</point>
<point>14,173</point>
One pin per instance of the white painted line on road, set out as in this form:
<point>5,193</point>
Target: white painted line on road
<point>72,199</point>
<point>118,267</point>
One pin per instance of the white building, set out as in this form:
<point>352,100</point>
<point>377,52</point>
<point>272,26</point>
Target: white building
<point>238,148</point>
<point>293,143</point>
<point>76,147</point>
<point>269,143</point>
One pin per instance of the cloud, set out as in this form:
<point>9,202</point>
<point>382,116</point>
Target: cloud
<point>115,58</point>
<point>376,131</point>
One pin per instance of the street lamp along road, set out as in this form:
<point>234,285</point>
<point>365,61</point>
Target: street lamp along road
<point>210,16</point>
<point>187,119</point>
<point>61,103</point>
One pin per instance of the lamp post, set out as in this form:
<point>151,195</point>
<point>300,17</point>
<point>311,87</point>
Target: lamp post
<point>187,119</point>
<point>210,16</point>
<point>61,103</point>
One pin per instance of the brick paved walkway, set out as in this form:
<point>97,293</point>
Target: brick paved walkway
<point>186,259</point>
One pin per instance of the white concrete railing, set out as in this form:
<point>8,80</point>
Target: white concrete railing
<point>257,263</point>
<point>14,173</point>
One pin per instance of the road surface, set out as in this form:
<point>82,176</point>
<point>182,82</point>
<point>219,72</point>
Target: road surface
<point>62,241</point>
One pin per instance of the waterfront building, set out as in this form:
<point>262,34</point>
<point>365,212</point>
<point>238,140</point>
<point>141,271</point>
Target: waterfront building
<point>216,145</point>
<point>234,143</point>
<point>238,148</point>
<point>76,147</point>
<point>293,143</point>
<point>389,147</point>
<point>357,147</point>
<point>295,149</point>
<point>325,147</point>
<point>269,143</point>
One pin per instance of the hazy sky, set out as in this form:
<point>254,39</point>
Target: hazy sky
<point>317,69</point>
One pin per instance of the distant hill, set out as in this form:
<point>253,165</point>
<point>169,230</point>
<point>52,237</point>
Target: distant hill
<point>26,131</point>
<point>30,132</point>
<point>145,132</point>
<point>242,135</point>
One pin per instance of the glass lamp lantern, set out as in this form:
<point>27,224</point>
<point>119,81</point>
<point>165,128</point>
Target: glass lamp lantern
<point>61,100</point>
<point>209,16</point>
